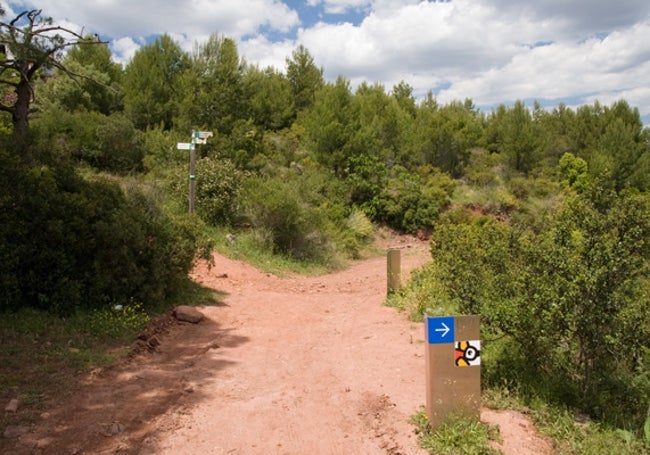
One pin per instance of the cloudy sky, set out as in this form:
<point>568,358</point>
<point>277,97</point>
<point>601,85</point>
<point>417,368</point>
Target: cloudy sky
<point>492,51</point>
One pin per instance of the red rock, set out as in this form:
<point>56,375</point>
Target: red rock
<point>188,314</point>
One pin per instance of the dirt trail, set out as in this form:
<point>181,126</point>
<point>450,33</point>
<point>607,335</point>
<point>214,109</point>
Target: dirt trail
<point>281,366</point>
<point>325,369</point>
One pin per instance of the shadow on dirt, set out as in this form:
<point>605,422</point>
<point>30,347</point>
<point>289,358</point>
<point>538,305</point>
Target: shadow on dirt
<point>112,410</point>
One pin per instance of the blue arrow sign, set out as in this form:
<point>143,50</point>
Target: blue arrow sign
<point>440,330</point>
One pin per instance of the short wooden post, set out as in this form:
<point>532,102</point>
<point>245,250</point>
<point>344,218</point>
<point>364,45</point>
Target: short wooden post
<point>453,367</point>
<point>394,262</point>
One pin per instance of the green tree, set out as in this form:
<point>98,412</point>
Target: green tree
<point>517,137</point>
<point>557,139</point>
<point>366,175</point>
<point>92,93</point>
<point>443,136</point>
<point>403,94</point>
<point>331,123</point>
<point>97,56</point>
<point>586,130</point>
<point>621,146</point>
<point>305,77</point>
<point>214,86</point>
<point>151,83</point>
<point>103,85</point>
<point>380,125</point>
<point>270,98</point>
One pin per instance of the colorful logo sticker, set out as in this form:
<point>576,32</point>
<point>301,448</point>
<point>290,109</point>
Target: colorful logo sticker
<point>467,353</point>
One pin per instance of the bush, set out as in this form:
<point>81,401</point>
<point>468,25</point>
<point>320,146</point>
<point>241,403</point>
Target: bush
<point>357,233</point>
<point>291,225</point>
<point>106,142</point>
<point>218,185</point>
<point>70,243</point>
<point>410,202</point>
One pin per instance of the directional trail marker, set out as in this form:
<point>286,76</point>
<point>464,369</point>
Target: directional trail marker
<point>201,137</point>
<point>453,342</point>
<point>440,330</point>
<point>198,137</point>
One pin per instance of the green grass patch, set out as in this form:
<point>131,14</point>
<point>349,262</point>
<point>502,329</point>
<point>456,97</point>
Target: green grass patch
<point>41,353</point>
<point>456,436</point>
<point>249,245</point>
<point>423,295</point>
<point>574,433</point>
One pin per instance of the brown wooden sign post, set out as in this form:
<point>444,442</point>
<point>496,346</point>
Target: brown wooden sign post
<point>453,364</point>
<point>394,270</point>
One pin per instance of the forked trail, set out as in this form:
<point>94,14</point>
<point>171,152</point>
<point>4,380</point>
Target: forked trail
<point>297,365</point>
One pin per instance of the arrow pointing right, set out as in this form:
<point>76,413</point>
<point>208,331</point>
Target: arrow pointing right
<point>444,329</point>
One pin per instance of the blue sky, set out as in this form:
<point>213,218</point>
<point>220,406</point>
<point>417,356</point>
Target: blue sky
<point>492,51</point>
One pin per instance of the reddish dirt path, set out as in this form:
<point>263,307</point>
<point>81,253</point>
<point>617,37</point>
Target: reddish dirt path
<point>281,366</point>
<point>325,368</point>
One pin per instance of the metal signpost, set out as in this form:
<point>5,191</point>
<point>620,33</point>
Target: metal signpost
<point>198,137</point>
<point>453,364</point>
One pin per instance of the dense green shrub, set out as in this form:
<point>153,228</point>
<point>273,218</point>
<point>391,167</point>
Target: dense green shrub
<point>68,242</point>
<point>366,177</point>
<point>290,224</point>
<point>161,152</point>
<point>474,262</point>
<point>573,171</point>
<point>355,234</point>
<point>106,142</point>
<point>413,201</point>
<point>218,189</point>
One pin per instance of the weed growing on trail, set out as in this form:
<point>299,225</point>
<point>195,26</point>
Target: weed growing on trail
<point>119,322</point>
<point>457,436</point>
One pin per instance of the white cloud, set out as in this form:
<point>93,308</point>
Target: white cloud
<point>494,53</point>
<point>618,62</point>
<point>260,51</point>
<point>123,49</point>
<point>489,50</point>
<point>118,18</point>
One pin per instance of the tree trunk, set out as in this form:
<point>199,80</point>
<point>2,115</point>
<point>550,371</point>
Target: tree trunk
<point>20,115</point>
